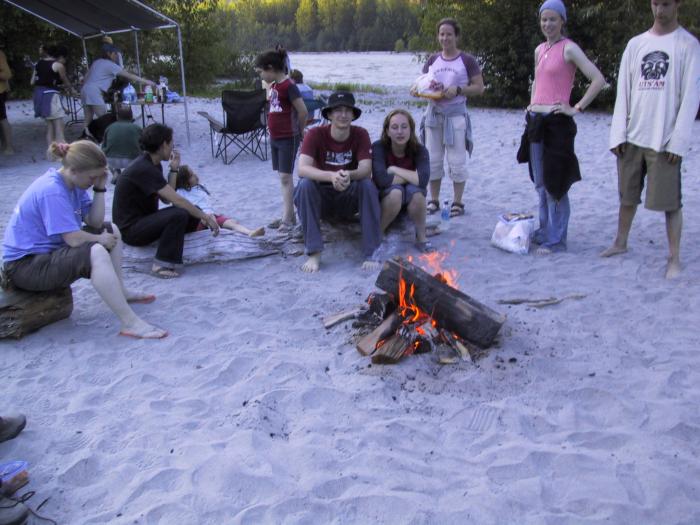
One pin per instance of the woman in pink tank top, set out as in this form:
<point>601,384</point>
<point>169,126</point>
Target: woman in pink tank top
<point>551,128</point>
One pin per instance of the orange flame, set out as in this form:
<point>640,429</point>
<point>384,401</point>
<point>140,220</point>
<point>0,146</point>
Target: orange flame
<point>433,264</point>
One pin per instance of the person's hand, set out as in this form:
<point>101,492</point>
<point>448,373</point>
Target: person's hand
<point>561,108</point>
<point>175,160</point>
<point>341,180</point>
<point>618,150</point>
<point>413,91</point>
<point>211,223</point>
<point>450,92</point>
<point>108,240</point>
<point>101,181</point>
<point>673,158</point>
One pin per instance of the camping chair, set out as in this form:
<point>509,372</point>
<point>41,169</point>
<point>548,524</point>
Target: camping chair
<point>245,124</point>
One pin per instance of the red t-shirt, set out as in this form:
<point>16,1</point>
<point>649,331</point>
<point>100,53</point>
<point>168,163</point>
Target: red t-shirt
<point>282,120</point>
<point>331,155</point>
<point>405,162</point>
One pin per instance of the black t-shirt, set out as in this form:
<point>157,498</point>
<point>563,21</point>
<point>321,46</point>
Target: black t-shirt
<point>136,193</point>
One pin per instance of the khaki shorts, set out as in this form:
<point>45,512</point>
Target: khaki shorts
<point>663,179</point>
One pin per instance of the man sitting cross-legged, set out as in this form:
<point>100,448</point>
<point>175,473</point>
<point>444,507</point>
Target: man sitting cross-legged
<point>335,180</point>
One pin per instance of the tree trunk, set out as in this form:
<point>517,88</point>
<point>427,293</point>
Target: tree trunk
<point>22,312</point>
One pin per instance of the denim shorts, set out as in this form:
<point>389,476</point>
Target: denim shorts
<point>407,192</point>
<point>284,152</point>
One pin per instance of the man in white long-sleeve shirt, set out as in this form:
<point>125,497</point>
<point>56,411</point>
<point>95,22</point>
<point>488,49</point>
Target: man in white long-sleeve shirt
<point>658,91</point>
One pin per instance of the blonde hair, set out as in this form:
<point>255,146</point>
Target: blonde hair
<point>81,155</point>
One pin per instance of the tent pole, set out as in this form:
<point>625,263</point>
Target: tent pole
<point>138,54</point>
<point>87,65</point>
<point>184,87</point>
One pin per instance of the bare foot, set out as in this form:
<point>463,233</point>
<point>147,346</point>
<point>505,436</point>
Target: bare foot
<point>543,250</point>
<point>139,297</point>
<point>371,266</point>
<point>613,250</point>
<point>142,330</point>
<point>673,268</point>
<point>312,264</point>
<point>257,233</point>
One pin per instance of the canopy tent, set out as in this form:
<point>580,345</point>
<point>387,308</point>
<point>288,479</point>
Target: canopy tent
<point>87,19</point>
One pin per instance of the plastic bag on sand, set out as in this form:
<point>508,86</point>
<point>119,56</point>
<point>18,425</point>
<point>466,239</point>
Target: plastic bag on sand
<point>513,232</point>
<point>427,87</point>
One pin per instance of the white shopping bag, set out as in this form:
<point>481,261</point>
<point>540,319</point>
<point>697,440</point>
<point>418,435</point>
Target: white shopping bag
<point>513,232</point>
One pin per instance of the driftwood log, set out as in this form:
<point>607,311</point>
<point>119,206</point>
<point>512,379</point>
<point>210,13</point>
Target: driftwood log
<point>368,344</point>
<point>23,312</point>
<point>453,310</point>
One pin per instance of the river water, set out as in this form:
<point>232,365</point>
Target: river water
<point>393,70</point>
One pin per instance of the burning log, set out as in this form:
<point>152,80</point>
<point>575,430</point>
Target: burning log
<point>368,344</point>
<point>392,349</point>
<point>453,310</point>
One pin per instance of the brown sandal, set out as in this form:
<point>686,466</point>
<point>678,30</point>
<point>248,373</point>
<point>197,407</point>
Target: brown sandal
<point>432,207</point>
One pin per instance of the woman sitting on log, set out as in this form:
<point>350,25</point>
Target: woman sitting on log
<point>46,246</point>
<point>401,169</point>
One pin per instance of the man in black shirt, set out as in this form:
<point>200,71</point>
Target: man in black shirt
<point>135,206</point>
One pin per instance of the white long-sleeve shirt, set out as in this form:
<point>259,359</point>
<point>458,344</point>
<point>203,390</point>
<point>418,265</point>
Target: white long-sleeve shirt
<point>197,196</point>
<point>658,92</point>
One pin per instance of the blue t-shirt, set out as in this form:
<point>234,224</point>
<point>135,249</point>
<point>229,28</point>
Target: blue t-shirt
<point>47,209</point>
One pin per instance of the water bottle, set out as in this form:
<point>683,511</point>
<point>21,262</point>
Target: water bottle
<point>129,94</point>
<point>445,216</point>
<point>149,94</point>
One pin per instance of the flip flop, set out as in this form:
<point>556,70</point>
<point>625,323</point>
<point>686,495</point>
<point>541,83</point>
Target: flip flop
<point>456,209</point>
<point>147,336</point>
<point>432,207</point>
<point>146,299</point>
<point>164,273</point>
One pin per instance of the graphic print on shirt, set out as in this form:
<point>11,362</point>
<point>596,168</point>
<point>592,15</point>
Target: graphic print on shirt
<point>339,158</point>
<point>275,105</point>
<point>654,68</point>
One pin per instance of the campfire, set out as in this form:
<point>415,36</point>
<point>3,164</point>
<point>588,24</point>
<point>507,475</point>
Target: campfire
<point>418,312</point>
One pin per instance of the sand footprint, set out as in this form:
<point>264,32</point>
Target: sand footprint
<point>627,476</point>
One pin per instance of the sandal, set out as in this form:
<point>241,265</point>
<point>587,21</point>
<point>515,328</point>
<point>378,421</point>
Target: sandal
<point>275,224</point>
<point>456,209</point>
<point>162,272</point>
<point>432,207</point>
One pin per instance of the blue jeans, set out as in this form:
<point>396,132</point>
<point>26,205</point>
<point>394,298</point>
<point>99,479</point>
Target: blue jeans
<point>553,214</point>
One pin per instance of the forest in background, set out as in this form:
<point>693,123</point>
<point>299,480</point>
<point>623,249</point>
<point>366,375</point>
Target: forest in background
<point>221,37</point>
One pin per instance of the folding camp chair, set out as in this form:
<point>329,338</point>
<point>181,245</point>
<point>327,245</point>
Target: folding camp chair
<point>245,124</point>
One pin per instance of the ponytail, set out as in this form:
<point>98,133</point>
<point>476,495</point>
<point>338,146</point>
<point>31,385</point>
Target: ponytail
<point>81,155</point>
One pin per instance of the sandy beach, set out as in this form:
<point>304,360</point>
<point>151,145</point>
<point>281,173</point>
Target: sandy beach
<point>584,412</point>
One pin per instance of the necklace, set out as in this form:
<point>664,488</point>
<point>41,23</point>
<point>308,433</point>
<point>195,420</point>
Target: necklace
<point>548,47</point>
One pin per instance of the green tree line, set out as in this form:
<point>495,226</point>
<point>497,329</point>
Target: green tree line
<point>221,37</point>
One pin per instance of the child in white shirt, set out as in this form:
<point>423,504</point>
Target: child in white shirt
<point>187,185</point>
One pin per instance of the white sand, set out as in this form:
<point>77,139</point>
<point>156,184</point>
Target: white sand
<point>251,412</point>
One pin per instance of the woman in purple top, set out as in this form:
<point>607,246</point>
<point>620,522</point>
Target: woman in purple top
<point>447,126</point>
<point>551,129</point>
<point>46,245</point>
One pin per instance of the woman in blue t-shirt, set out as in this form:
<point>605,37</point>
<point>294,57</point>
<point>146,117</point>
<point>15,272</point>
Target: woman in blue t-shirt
<point>46,246</point>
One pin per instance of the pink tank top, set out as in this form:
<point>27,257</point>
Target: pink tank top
<point>554,77</point>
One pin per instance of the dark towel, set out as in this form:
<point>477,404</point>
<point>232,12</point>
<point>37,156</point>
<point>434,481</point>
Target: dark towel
<point>557,133</point>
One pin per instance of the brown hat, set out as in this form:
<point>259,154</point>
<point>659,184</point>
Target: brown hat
<point>341,98</point>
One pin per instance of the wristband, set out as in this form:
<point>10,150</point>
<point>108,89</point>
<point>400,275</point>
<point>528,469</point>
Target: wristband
<point>99,190</point>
